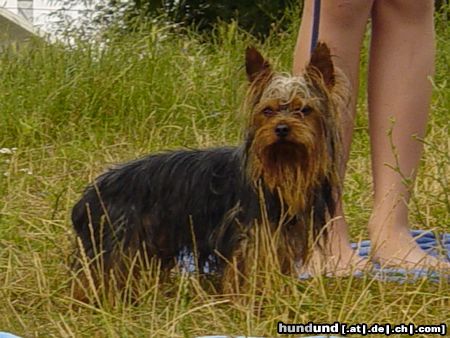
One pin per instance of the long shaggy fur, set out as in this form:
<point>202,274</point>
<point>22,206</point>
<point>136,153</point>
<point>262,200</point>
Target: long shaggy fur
<point>210,203</point>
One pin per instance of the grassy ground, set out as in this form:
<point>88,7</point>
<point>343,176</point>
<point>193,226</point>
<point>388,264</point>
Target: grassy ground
<point>66,115</point>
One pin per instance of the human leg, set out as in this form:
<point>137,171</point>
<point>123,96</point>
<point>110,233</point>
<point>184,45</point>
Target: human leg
<point>401,60</point>
<point>342,27</point>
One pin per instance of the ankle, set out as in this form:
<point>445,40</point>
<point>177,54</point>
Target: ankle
<point>388,224</point>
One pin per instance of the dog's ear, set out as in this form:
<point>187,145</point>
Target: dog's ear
<point>322,65</point>
<point>255,65</point>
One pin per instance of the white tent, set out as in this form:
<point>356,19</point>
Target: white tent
<point>14,28</point>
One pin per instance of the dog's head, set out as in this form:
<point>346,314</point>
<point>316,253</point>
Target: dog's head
<point>290,132</point>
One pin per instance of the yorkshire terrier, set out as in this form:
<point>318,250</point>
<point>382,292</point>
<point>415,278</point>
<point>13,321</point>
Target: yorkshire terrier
<point>208,204</point>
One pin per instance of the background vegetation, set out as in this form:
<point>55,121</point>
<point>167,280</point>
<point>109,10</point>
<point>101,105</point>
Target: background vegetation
<point>257,17</point>
<point>69,111</point>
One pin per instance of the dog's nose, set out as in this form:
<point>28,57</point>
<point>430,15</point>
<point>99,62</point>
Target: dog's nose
<point>282,130</point>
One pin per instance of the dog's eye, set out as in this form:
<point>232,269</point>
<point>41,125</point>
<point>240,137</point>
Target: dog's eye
<point>304,111</point>
<point>268,112</point>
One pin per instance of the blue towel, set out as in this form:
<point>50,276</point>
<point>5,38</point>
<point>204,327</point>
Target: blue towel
<point>435,245</point>
<point>7,335</point>
<point>427,240</point>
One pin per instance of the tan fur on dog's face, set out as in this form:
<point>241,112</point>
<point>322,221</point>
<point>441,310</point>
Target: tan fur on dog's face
<point>304,107</point>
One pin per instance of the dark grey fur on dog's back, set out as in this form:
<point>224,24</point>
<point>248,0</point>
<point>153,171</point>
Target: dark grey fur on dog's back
<point>157,202</point>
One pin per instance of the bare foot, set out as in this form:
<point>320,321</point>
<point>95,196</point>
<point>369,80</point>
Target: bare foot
<point>336,257</point>
<point>393,244</point>
<point>399,249</point>
<point>345,263</point>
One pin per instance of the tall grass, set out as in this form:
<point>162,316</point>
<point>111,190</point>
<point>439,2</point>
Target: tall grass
<point>71,112</point>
